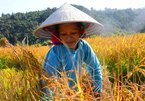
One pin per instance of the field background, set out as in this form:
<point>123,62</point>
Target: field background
<point>122,59</point>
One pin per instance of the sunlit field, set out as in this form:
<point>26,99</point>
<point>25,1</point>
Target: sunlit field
<point>122,61</point>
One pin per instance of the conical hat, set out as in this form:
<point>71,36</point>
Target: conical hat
<point>67,14</point>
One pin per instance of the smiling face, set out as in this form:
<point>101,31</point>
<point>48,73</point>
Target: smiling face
<point>69,34</point>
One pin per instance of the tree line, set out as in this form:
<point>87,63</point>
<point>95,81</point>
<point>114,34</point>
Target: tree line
<point>18,27</point>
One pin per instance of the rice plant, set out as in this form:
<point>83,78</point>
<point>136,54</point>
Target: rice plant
<point>122,62</point>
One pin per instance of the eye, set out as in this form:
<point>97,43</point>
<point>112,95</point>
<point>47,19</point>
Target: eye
<point>73,33</point>
<point>62,34</point>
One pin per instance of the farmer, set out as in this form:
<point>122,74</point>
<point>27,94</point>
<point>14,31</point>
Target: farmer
<point>66,27</point>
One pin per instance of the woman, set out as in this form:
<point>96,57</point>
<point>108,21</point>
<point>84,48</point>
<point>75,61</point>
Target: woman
<point>70,51</point>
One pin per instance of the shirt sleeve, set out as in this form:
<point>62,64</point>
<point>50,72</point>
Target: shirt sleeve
<point>52,64</point>
<point>93,67</point>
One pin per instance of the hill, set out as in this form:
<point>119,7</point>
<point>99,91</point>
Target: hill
<point>18,27</point>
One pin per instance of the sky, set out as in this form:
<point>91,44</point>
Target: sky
<point>14,6</point>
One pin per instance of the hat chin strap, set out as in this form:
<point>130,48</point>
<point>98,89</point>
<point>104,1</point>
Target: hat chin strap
<point>55,40</point>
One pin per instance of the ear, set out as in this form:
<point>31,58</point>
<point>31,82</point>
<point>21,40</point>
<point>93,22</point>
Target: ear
<point>82,31</point>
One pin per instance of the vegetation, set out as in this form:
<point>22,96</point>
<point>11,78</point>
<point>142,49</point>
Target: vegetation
<point>18,28</point>
<point>123,66</point>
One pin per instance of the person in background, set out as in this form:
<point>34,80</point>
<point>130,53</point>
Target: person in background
<point>66,28</point>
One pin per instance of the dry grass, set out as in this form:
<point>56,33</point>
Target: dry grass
<point>123,68</point>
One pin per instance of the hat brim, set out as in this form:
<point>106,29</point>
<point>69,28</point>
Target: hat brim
<point>92,28</point>
<point>68,14</point>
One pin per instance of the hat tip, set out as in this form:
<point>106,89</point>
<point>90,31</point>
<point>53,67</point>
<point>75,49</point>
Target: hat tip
<point>66,4</point>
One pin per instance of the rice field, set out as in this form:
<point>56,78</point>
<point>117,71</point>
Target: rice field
<point>122,61</point>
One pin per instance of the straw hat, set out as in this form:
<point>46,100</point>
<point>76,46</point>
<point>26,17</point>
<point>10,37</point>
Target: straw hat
<point>67,14</point>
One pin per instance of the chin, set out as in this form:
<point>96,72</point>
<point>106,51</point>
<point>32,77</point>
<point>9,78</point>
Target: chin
<point>72,47</point>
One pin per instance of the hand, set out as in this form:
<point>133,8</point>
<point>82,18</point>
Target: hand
<point>98,96</point>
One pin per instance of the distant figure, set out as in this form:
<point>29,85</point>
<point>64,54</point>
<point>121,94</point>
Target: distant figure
<point>66,27</point>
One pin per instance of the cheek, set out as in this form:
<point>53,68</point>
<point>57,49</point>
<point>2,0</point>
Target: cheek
<point>59,37</point>
<point>76,37</point>
<point>63,39</point>
<point>79,36</point>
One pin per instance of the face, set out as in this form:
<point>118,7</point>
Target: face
<point>69,34</point>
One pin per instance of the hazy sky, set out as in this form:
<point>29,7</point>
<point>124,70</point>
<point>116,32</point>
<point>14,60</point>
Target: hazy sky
<point>9,6</point>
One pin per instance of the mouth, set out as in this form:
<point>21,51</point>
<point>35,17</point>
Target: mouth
<point>72,42</point>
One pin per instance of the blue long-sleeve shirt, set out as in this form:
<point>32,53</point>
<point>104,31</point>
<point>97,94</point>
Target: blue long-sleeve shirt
<point>60,58</point>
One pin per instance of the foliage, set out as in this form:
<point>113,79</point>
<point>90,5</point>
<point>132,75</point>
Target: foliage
<point>4,42</point>
<point>3,63</point>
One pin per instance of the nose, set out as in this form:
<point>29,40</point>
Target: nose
<point>69,38</point>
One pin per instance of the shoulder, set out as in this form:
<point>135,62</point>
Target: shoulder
<point>85,46</point>
<point>56,49</point>
<point>84,43</point>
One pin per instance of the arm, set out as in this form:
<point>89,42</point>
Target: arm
<point>93,66</point>
<point>51,64</point>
